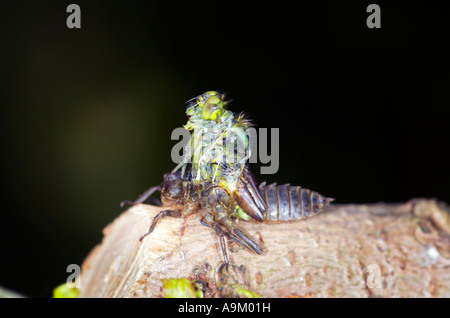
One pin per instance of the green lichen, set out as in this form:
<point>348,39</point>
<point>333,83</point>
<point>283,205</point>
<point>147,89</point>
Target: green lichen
<point>243,292</point>
<point>178,288</point>
<point>67,290</point>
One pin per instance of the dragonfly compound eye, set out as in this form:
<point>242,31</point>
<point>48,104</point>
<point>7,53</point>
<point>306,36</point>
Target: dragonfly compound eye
<point>212,108</point>
<point>211,93</point>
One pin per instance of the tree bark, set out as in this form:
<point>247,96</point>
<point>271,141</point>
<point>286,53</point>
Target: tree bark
<point>384,250</point>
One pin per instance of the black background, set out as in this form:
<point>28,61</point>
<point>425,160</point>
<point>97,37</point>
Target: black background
<point>86,114</point>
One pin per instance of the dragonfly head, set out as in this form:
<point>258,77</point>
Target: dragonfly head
<point>211,104</point>
<point>212,108</point>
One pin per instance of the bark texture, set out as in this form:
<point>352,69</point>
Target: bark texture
<point>385,250</point>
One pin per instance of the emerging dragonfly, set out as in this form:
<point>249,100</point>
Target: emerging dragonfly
<point>224,191</point>
<point>219,146</point>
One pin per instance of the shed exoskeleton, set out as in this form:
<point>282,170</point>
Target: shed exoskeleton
<point>214,179</point>
<point>221,211</point>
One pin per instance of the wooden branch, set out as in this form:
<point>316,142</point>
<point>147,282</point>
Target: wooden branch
<point>386,250</point>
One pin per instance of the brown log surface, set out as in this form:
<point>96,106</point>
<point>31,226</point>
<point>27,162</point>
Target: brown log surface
<point>338,253</point>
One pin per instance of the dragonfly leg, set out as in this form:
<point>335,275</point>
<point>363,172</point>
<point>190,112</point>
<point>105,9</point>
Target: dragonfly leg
<point>221,234</point>
<point>248,241</point>
<point>223,245</point>
<point>162,214</point>
<point>237,236</point>
<point>145,196</point>
<point>235,233</point>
